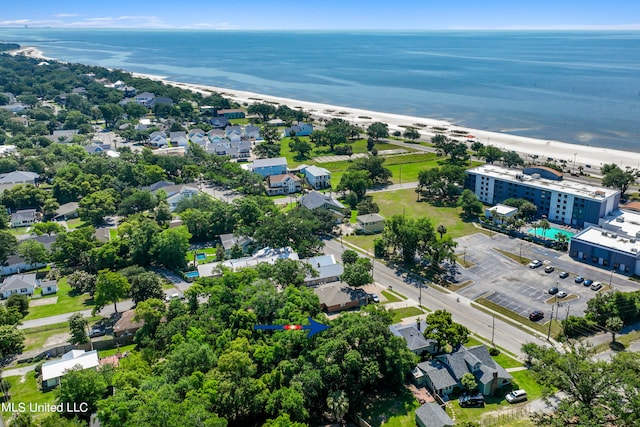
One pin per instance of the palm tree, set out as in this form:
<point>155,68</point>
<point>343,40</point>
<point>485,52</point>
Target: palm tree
<point>338,404</point>
<point>441,230</point>
<point>544,224</point>
<point>614,325</point>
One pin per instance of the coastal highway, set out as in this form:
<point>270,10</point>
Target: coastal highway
<point>505,335</point>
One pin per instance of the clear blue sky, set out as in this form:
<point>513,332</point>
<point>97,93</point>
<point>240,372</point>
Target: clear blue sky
<point>326,14</point>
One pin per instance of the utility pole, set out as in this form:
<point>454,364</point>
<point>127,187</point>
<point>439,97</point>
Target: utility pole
<point>550,321</point>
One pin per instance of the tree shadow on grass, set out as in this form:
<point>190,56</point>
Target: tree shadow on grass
<point>617,346</point>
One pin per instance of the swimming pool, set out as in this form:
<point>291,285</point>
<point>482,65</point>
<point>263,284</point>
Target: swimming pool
<point>550,233</point>
<point>201,256</point>
<point>192,274</point>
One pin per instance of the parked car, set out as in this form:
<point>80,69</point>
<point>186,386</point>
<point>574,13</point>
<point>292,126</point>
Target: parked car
<point>549,269</point>
<point>561,294</point>
<point>97,331</point>
<point>587,282</point>
<point>596,286</point>
<point>374,297</point>
<point>553,291</point>
<point>563,275</point>
<point>467,401</point>
<point>579,279</point>
<point>174,295</point>
<point>516,396</point>
<point>536,315</point>
<point>535,263</point>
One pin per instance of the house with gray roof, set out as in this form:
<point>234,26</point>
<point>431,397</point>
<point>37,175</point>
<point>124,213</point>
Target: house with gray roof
<point>432,415</point>
<point>20,284</point>
<point>301,129</point>
<point>339,296</point>
<point>327,268</point>
<point>370,223</point>
<point>16,263</point>
<point>230,240</point>
<point>62,135</point>
<point>18,177</point>
<point>97,148</point>
<point>179,138</point>
<point>317,200</point>
<point>66,211</point>
<point>219,122</point>
<point>443,374</point>
<point>268,167</point>
<point>317,177</point>
<point>414,336</point>
<point>24,217</point>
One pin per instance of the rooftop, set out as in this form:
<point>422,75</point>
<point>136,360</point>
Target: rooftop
<point>575,188</point>
<point>619,231</point>
<point>57,368</point>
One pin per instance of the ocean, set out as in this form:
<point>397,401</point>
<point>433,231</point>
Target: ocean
<point>580,87</point>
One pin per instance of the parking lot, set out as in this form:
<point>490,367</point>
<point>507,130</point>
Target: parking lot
<point>520,289</point>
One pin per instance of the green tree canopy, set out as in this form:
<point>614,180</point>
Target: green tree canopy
<point>110,287</point>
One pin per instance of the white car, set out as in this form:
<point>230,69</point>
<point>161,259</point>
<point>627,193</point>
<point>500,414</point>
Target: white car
<point>535,263</point>
<point>561,294</point>
<point>375,297</point>
<point>516,396</point>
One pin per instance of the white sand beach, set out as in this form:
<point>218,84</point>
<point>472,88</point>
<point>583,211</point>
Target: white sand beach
<point>571,153</point>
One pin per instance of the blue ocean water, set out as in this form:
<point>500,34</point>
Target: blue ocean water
<point>574,86</point>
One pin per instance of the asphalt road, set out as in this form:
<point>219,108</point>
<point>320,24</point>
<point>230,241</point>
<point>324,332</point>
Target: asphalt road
<point>504,334</point>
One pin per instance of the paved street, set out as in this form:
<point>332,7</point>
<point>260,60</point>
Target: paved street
<point>504,334</point>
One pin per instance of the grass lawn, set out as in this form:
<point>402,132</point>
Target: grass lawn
<point>209,252</point>
<point>17,231</point>
<point>67,302</point>
<point>362,241</point>
<point>404,201</point>
<point>111,352</point>
<point>113,233</point>
<point>391,297</point>
<point>27,392</point>
<point>398,314</point>
<point>36,337</point>
<point>75,223</point>
<point>397,410</point>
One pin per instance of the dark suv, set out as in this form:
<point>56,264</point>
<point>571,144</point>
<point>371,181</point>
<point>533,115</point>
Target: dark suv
<point>467,401</point>
<point>536,315</point>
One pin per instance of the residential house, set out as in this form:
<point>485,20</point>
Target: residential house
<point>216,134</point>
<point>161,100</point>
<point>317,177</point>
<point>54,370</point>
<point>301,129</point>
<point>49,287</point>
<point>268,255</point>
<point>24,217</point>
<point>317,200</point>
<point>328,270</point>
<point>97,148</point>
<point>339,296</point>
<point>66,212</point>
<point>233,133</point>
<point>11,179</point>
<point>442,374</point>
<point>252,132</point>
<point>219,122</point>
<point>414,336</point>
<point>283,184</point>
<point>145,98</point>
<point>232,113</point>
<point>199,137</point>
<point>268,167</point>
<point>175,193</point>
<point>126,324</point>
<point>62,135</point>
<point>16,263</point>
<point>431,414</point>
<point>14,107</point>
<point>102,234</point>
<point>20,284</point>
<point>230,240</point>
<point>370,223</point>
<point>179,138</point>
<point>158,139</point>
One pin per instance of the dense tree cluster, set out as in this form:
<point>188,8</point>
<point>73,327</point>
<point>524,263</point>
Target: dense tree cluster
<point>204,364</point>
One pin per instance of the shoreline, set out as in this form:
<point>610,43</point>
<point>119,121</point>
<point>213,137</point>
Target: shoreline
<point>573,154</point>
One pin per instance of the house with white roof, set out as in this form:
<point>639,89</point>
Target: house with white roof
<point>500,213</point>
<point>317,177</point>
<point>327,268</point>
<point>54,370</point>
<point>268,255</point>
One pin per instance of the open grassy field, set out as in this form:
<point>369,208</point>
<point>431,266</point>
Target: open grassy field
<point>27,392</point>
<point>68,302</point>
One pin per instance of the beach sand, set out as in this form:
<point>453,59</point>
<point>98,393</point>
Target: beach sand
<point>576,154</point>
<point>583,155</point>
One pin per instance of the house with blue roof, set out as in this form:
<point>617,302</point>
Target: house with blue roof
<point>268,167</point>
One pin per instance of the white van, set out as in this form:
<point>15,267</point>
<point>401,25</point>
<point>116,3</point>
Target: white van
<point>516,396</point>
